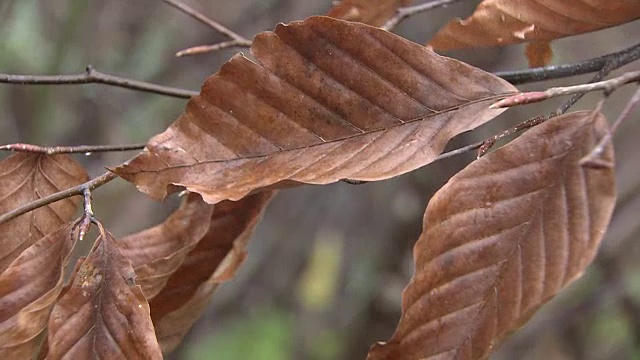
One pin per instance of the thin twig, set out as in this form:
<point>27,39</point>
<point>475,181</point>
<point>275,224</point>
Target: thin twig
<point>407,11</point>
<point>209,22</point>
<point>623,57</point>
<point>487,144</point>
<point>536,96</point>
<point>202,49</point>
<point>93,76</point>
<point>67,193</point>
<point>592,157</point>
<point>84,222</point>
<point>86,149</point>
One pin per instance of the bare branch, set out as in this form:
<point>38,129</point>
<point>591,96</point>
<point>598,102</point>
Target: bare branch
<point>202,49</point>
<point>622,57</point>
<point>607,86</point>
<point>487,144</point>
<point>407,11</point>
<point>93,76</point>
<point>592,157</point>
<point>209,22</point>
<point>67,193</point>
<point>86,149</point>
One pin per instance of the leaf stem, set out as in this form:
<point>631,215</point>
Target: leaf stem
<point>86,149</point>
<point>93,76</point>
<point>407,11</point>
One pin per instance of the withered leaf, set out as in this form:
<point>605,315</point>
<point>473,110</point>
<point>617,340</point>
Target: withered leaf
<point>374,13</point>
<point>327,100</point>
<point>26,177</point>
<point>213,261</point>
<point>156,253</point>
<point>503,22</point>
<point>501,238</point>
<point>29,288</point>
<point>103,314</point>
<point>538,53</point>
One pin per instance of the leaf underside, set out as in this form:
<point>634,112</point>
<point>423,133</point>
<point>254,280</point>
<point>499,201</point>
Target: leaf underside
<point>156,253</point>
<point>29,288</point>
<point>326,100</point>
<point>103,314</point>
<point>214,260</point>
<point>27,177</point>
<point>374,13</point>
<point>504,22</point>
<point>501,238</point>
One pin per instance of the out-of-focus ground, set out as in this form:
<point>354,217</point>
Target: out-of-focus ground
<point>327,265</point>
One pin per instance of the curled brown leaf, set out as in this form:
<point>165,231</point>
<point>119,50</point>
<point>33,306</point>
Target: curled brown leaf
<point>501,238</point>
<point>213,261</point>
<point>503,22</point>
<point>156,253</point>
<point>103,314</point>
<point>327,100</point>
<point>374,13</point>
<point>29,288</point>
<point>26,177</point>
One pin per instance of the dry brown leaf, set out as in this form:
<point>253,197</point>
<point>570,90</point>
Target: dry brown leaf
<point>328,100</point>
<point>29,288</point>
<point>374,13</point>
<point>539,53</point>
<point>503,22</point>
<point>156,253</point>
<point>104,314</point>
<point>501,238</point>
<point>213,261</point>
<point>27,177</point>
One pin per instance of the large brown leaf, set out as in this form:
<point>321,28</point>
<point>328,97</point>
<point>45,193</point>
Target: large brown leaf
<point>27,177</point>
<point>503,22</point>
<point>103,314</point>
<point>374,13</point>
<point>213,261</point>
<point>29,288</point>
<point>501,238</point>
<point>327,100</point>
<point>156,253</point>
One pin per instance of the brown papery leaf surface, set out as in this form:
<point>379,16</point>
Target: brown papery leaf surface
<point>29,288</point>
<point>327,100</point>
<point>374,13</point>
<point>213,261</point>
<point>26,177</point>
<point>539,53</point>
<point>501,238</point>
<point>503,22</point>
<point>156,253</point>
<point>103,314</point>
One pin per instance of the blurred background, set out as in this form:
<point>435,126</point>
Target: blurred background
<point>327,265</point>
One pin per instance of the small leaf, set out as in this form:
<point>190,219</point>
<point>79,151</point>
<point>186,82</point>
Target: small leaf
<point>26,177</point>
<point>104,314</point>
<point>539,53</point>
<point>501,238</point>
<point>29,288</point>
<point>213,261</point>
<point>156,253</point>
<point>504,22</point>
<point>374,13</point>
<point>327,100</point>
